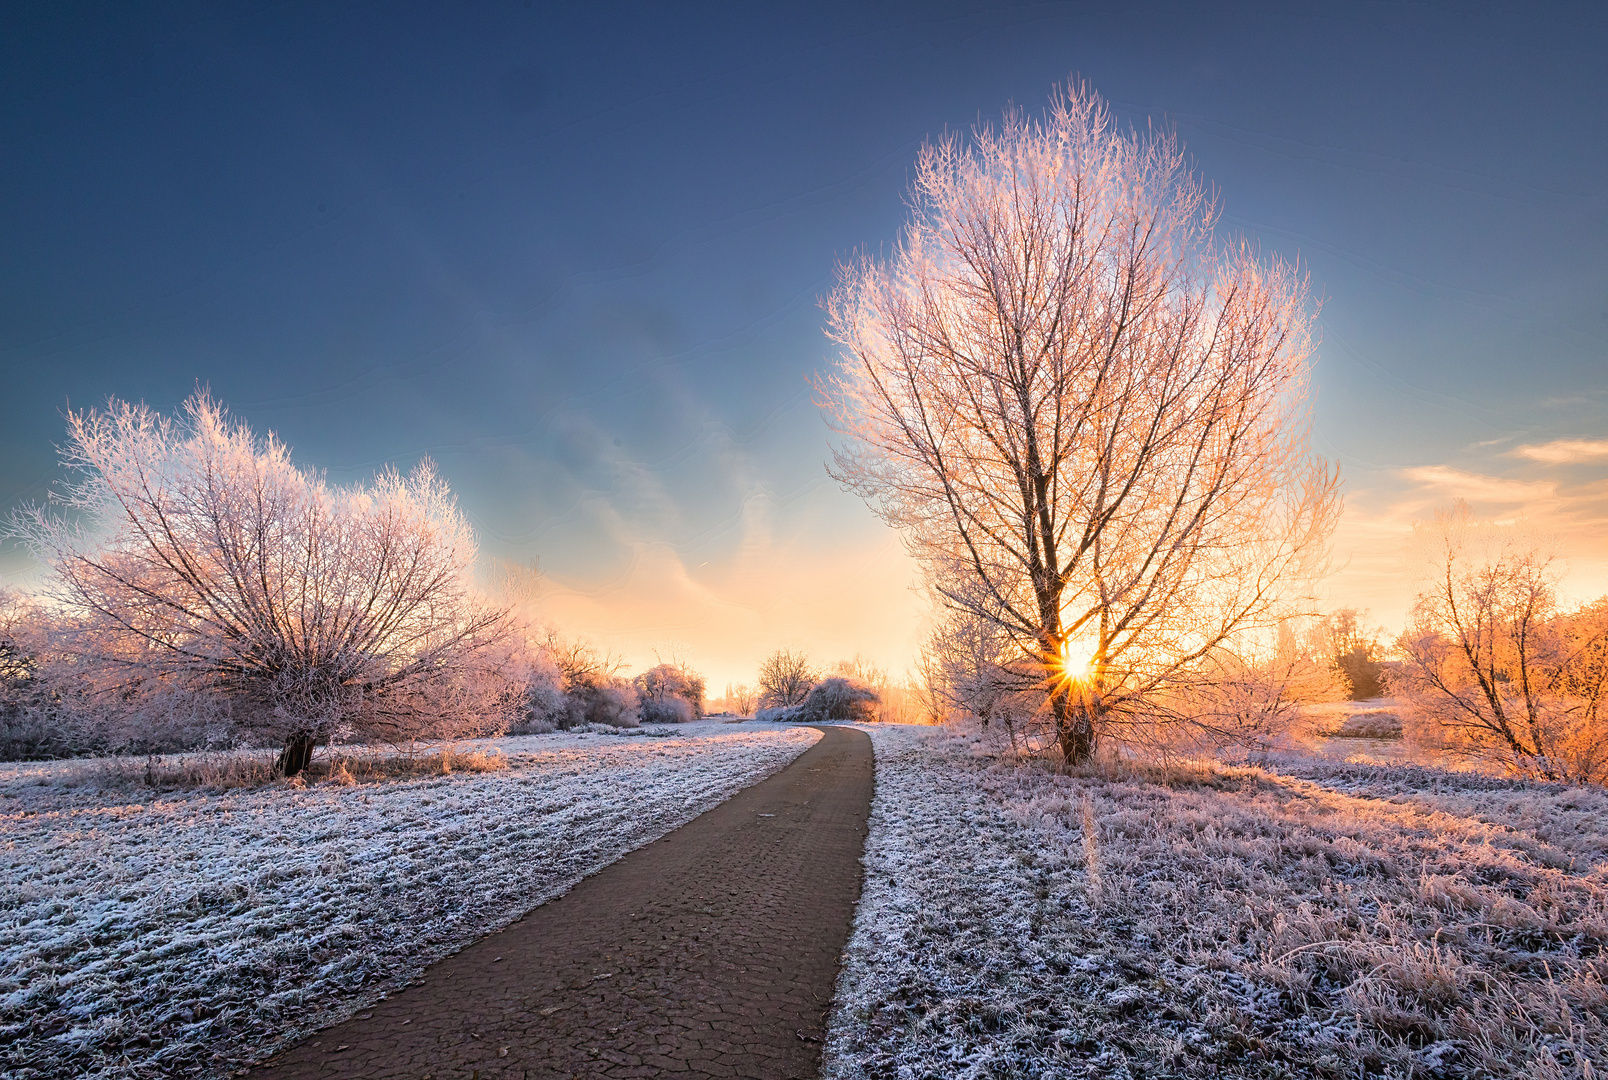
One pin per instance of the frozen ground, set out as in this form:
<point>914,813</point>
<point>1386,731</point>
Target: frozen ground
<point>1325,920</point>
<point>189,933</point>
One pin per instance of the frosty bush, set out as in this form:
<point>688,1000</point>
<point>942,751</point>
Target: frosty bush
<point>212,578</point>
<point>839,698</point>
<point>672,710</point>
<point>671,693</point>
<point>589,687</point>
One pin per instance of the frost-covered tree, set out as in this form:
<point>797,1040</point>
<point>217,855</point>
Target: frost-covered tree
<point>1087,417</point>
<point>785,678</point>
<point>670,693</point>
<point>1491,663</point>
<point>200,563</point>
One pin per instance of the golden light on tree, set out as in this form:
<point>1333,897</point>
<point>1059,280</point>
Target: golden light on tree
<point>1077,658</point>
<point>1088,419</point>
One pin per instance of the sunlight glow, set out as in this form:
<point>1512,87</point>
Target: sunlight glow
<point>1077,657</point>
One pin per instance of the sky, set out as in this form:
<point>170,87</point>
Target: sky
<point>576,253</point>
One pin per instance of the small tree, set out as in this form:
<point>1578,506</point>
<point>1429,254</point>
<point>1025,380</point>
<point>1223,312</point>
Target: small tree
<point>1494,666</point>
<point>208,566</point>
<point>1088,420</point>
<point>670,693</point>
<point>740,698</point>
<point>785,679</point>
<point>1353,648</point>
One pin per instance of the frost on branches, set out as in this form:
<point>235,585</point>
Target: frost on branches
<point>1087,417</point>
<point>202,574</point>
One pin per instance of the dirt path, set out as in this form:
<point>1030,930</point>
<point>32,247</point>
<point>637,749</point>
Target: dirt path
<point>712,951</point>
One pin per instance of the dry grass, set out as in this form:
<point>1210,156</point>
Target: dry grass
<point>1197,919</point>
<point>230,770</point>
<point>1385,925</point>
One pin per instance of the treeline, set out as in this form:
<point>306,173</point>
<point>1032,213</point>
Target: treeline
<point>202,591</point>
<point>791,688</point>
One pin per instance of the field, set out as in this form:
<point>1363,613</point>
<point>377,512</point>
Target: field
<point>151,932</point>
<point>1308,919</point>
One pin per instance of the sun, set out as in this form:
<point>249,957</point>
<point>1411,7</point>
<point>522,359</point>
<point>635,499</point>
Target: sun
<point>1077,657</point>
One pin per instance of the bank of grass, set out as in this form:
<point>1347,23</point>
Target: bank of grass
<point>1205,920</point>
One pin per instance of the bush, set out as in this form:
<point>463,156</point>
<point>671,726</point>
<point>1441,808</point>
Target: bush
<point>670,693</point>
<point>670,710</point>
<point>610,701</point>
<point>839,698</point>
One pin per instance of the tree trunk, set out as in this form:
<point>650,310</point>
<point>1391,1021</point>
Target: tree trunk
<point>1074,726</point>
<point>296,756</point>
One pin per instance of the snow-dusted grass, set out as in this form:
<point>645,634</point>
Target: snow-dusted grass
<point>192,931</point>
<point>1222,921</point>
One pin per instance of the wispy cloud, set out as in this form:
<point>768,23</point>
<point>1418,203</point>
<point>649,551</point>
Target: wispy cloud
<point>1564,451</point>
<point>1477,487</point>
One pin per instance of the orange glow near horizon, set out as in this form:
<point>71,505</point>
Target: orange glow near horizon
<point>842,586</point>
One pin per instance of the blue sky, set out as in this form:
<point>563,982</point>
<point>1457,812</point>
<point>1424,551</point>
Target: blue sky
<point>575,254</point>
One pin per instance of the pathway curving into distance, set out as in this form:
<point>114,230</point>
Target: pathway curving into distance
<point>712,951</point>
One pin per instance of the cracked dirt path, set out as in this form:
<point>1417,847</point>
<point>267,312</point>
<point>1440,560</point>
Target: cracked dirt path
<point>712,951</point>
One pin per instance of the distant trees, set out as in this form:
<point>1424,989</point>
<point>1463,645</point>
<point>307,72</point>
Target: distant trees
<point>1492,667</point>
<point>207,567</point>
<point>1089,422</point>
<point>741,698</point>
<point>785,678</point>
<point>1355,651</point>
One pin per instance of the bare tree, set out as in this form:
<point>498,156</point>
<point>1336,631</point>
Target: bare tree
<point>1089,421</point>
<point>206,564</point>
<point>1494,665</point>
<point>785,679</point>
<point>741,698</point>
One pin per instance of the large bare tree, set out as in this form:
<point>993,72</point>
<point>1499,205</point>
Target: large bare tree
<point>204,563</point>
<point>1088,418</point>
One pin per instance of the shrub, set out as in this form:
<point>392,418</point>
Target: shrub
<point>839,698</point>
<point>672,693</point>
<point>670,710</point>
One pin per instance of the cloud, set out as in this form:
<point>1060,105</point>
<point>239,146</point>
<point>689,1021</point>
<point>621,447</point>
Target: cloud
<point>1375,564</point>
<point>1564,451</point>
<point>1452,483</point>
